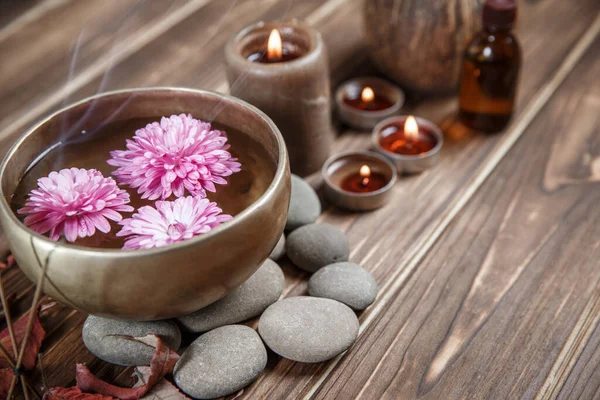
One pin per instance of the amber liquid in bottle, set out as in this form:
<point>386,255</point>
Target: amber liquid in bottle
<point>489,80</point>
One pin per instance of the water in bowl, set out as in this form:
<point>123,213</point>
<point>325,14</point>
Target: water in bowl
<point>91,150</point>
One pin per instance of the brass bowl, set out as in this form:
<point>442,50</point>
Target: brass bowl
<point>156,283</point>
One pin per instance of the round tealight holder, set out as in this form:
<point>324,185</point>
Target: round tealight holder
<point>409,163</point>
<point>362,118</point>
<point>340,166</point>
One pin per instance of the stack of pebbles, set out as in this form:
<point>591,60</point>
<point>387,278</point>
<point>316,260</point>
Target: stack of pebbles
<point>226,357</point>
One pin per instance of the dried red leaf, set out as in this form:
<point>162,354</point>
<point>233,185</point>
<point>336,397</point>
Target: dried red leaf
<point>162,363</point>
<point>73,393</point>
<point>33,343</point>
<point>6,377</point>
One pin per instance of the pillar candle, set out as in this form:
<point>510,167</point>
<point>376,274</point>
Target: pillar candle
<point>291,86</point>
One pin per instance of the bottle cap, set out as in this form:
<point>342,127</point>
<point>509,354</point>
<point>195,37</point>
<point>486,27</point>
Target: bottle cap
<point>499,14</point>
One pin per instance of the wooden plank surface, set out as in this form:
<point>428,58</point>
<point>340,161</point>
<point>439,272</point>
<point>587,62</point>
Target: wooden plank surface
<point>500,305</point>
<point>583,379</point>
<point>183,48</point>
<point>97,34</point>
<point>17,13</point>
<point>388,242</point>
<point>180,43</point>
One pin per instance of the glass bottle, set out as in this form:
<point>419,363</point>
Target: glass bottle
<point>490,70</point>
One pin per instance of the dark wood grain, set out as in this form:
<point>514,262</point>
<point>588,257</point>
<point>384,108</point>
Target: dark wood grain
<point>583,381</point>
<point>390,241</point>
<point>188,54</point>
<point>204,34</point>
<point>65,44</point>
<point>513,281</point>
<point>387,241</point>
<point>15,13</point>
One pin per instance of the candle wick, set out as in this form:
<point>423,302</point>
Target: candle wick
<point>365,181</point>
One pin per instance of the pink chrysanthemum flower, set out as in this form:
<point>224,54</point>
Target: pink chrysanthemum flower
<point>171,222</point>
<point>179,153</point>
<point>74,202</point>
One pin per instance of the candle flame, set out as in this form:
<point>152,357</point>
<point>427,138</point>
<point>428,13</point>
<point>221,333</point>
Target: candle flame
<point>411,128</point>
<point>274,46</point>
<point>365,173</point>
<point>367,95</point>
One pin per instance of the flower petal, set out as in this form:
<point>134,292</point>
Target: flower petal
<point>74,202</point>
<point>170,222</point>
<point>173,155</point>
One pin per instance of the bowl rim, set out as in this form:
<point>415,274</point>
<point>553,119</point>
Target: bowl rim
<point>280,173</point>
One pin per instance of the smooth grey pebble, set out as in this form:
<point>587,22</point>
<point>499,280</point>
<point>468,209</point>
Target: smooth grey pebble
<point>220,362</point>
<point>305,206</point>
<point>314,246</point>
<point>345,282</point>
<point>102,338</point>
<point>308,329</point>
<point>279,249</point>
<point>250,299</point>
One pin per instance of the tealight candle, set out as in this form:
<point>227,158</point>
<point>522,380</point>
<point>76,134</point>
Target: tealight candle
<point>282,69</point>
<point>368,101</point>
<point>364,181</point>
<point>358,181</point>
<point>413,144</point>
<point>363,102</point>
